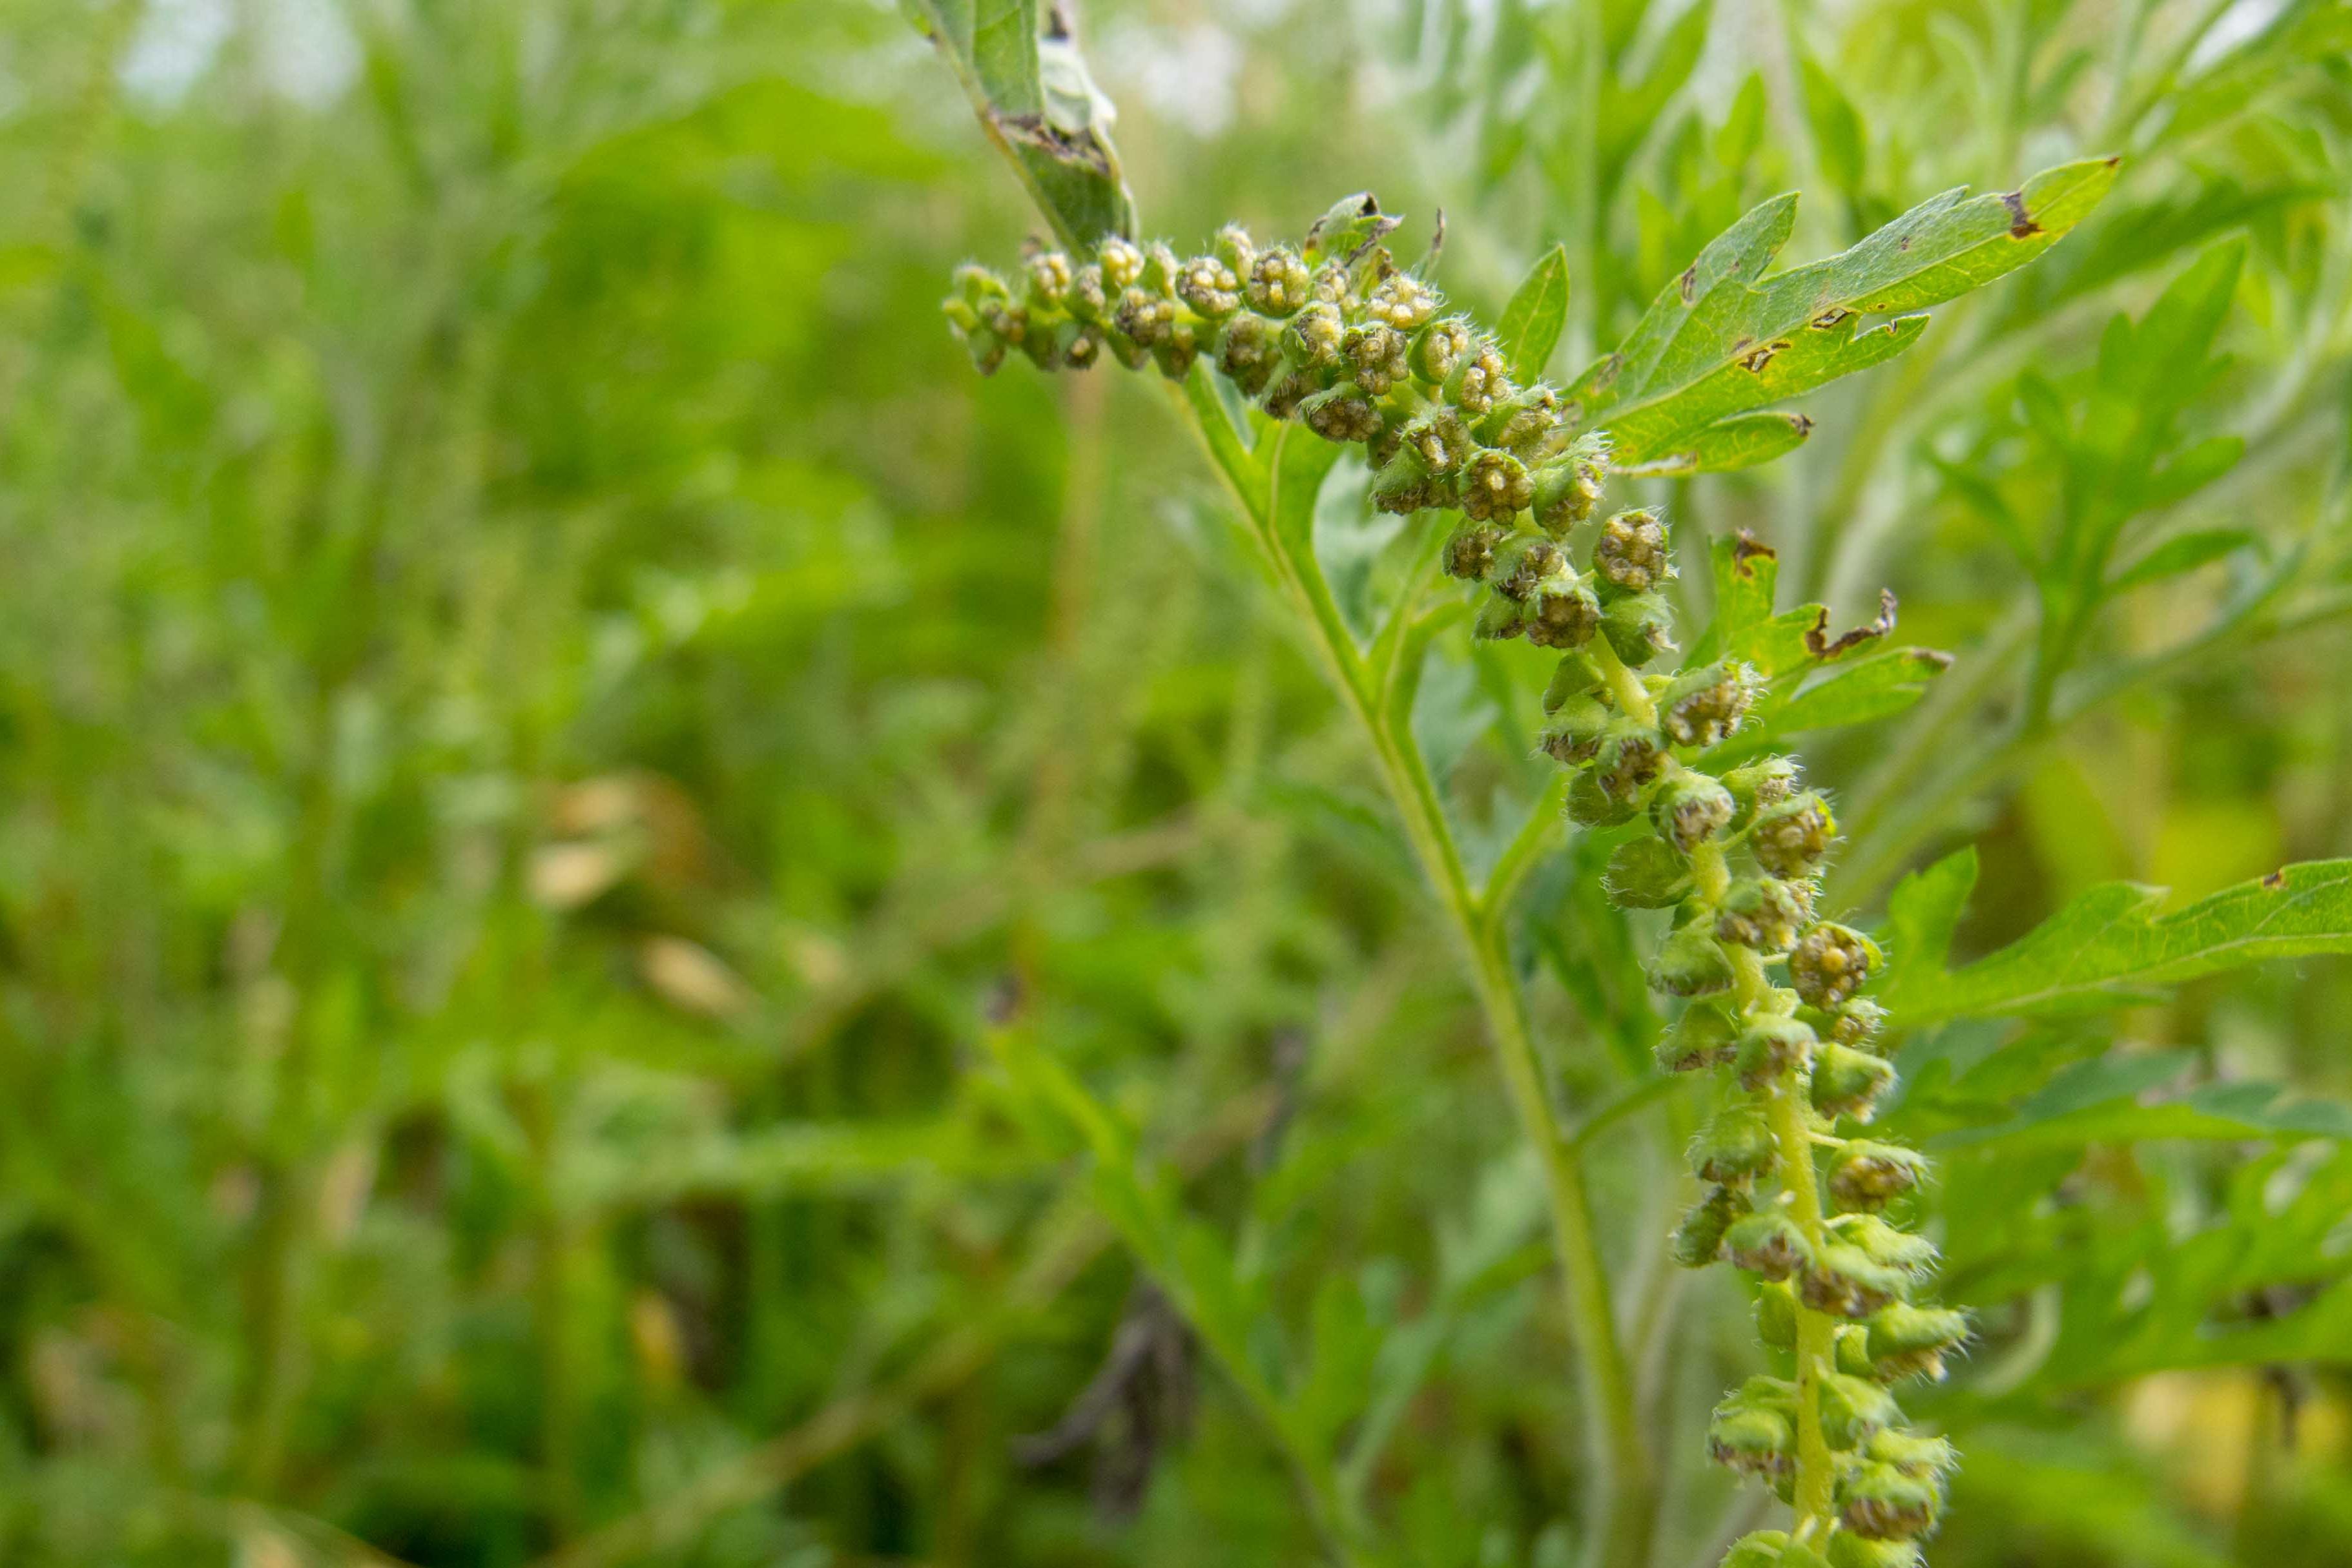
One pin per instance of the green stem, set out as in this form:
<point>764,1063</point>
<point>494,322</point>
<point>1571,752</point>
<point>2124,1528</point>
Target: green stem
<point>1624,1483</point>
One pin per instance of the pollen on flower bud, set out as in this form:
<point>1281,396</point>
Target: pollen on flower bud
<point>1768,1243</point>
<point>1854,1409</point>
<point>1689,810</point>
<point>1402,301</point>
<point>1631,553</point>
<point>1470,552</point>
<point>1278,283</point>
<point>1334,284</point>
<point>1572,739</point>
<point>1210,286</point>
<point>1790,838</point>
<point>1527,425</point>
<point>1565,615</point>
<point>1314,335</point>
<point>1248,350</point>
<point>1699,1236</point>
<point>1375,355</point>
<point>1438,348</point>
<point>1847,1082</point>
<point>1691,963</point>
<point>1904,1341</point>
<point>1144,318</point>
<point>1770,1047</point>
<point>1479,379</point>
<point>1831,964</point>
<point>1628,758</point>
<point>1121,262</point>
<point>1735,1145</point>
<point>1705,705</point>
<point>1702,1037</point>
<point>1865,1177</point>
<point>1858,1023</point>
<point>1763,913</point>
<point>1342,413</point>
<point>1495,484</point>
<point>1567,491</point>
<point>1879,1502</point>
<point>1637,627</point>
<point>1049,277</point>
<point>1176,351</point>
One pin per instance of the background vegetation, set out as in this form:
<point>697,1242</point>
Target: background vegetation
<point>561,758</point>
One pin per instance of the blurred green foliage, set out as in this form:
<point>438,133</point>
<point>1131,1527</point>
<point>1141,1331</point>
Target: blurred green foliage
<point>636,915</point>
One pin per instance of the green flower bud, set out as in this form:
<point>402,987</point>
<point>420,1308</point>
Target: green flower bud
<point>1865,1177</point>
<point>1879,1502</point>
<point>1313,337</point>
<point>1700,1235</point>
<point>1905,1340</point>
<point>1590,806</point>
<point>1912,1255</point>
<point>1638,627</point>
<point>1526,563</point>
<point>1090,295</point>
<point>1762,912</point>
<point>1564,615</point>
<point>1527,425</point>
<point>1121,263</point>
<point>1574,676</point>
<point>1705,705</point>
<point>1335,285</point>
<point>1247,351</point>
<point>1858,1024</point>
<point>1846,1083</point>
<point>1495,484</point>
<point>1479,379</point>
<point>1832,962</point>
<point>1278,283</point>
<point>1753,1439</point>
<point>1854,1409</point>
<point>1375,356</point>
<point>1775,1315</point>
<point>1500,618</point>
<point>1438,348</point>
<point>1210,286</point>
<point>1770,1048</point>
<point>1847,1550</point>
<point>1176,351</point>
<point>1290,388</point>
<point>1790,838</point>
<point>1850,1348</point>
<point>1470,552</point>
<point>1342,413</point>
<point>1440,441</point>
<point>1630,554</point>
<point>1628,758</point>
<point>1232,246</point>
<point>1702,1037</point>
<point>1691,963</point>
<point>1769,1243</point>
<point>1642,873</point>
<point>1913,1454</point>
<point>1761,1550</point>
<point>1567,491</point>
<point>1735,1146</point>
<point>1402,301</point>
<point>1403,486</point>
<point>1768,781</point>
<point>1845,1283</point>
<point>1574,737</point>
<point>1690,810</point>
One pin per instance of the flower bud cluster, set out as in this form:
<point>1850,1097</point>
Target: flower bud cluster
<point>1773,1001</point>
<point>1334,334</point>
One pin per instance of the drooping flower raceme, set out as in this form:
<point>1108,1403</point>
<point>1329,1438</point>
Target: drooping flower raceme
<point>1334,334</point>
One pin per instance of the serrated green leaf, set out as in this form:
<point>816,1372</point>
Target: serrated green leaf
<point>1035,99</point>
<point>1741,441</point>
<point>1724,314</point>
<point>1530,325</point>
<point>1925,910</point>
<point>1857,693</point>
<point>2110,947</point>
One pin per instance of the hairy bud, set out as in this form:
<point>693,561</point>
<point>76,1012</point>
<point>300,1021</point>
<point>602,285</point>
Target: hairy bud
<point>1775,1315</point>
<point>1691,963</point>
<point>1879,1502</point>
<point>1565,615</point>
<point>1847,1550</point>
<point>1642,873</point>
<point>1278,283</point>
<point>1438,348</point>
<point>1761,784</point>
<point>1904,1341</point>
<point>1638,628</point>
<point>1789,839</point>
<point>1495,484</point>
<point>1630,554</point>
<point>1846,1083</point>
<point>1342,413</point>
<point>1735,1145</point>
<point>1567,491</point>
<point>1865,1177</point>
<point>1702,1037</point>
<point>1479,379</point>
<point>1763,912</point>
<point>1704,706</point>
<point>1854,1410</point>
<point>1771,1047</point>
<point>1831,964</point>
<point>1699,1239</point>
<point>1690,810</point>
<point>1770,1244</point>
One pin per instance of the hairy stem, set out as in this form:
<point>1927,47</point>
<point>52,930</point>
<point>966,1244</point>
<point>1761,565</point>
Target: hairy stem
<point>1624,1483</point>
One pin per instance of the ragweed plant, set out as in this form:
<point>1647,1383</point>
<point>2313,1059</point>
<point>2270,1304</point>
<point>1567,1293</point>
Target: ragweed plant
<point>1333,333</point>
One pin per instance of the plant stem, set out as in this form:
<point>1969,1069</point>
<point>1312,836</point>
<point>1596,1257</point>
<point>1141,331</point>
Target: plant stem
<point>1625,1484</point>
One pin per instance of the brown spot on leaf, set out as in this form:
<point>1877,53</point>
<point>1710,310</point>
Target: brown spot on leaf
<point>1934,656</point>
<point>1689,284</point>
<point>2277,880</point>
<point>1084,148</point>
<point>1818,644</point>
<point>2021,223</point>
<point>1829,318</point>
<point>1746,550</point>
<point>1756,362</point>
